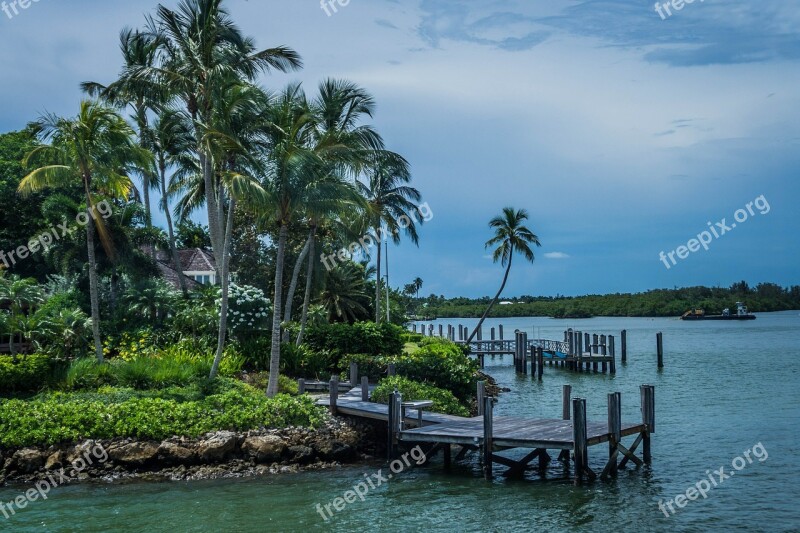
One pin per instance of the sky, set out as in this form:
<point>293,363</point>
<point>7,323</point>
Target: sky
<point>623,132</point>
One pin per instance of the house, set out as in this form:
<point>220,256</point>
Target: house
<point>197,267</point>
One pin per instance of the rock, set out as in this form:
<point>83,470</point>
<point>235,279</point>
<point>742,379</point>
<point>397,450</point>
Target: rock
<point>55,460</point>
<point>264,449</point>
<point>335,450</point>
<point>301,454</point>
<point>218,447</point>
<point>134,453</point>
<point>176,454</point>
<point>81,451</point>
<point>27,460</point>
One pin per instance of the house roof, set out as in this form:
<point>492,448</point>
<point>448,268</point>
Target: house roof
<point>196,260</point>
<point>192,260</point>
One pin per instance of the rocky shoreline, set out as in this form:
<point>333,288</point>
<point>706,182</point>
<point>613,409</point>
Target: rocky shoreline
<point>223,454</point>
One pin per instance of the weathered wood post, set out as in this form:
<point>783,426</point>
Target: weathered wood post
<point>541,362</point>
<point>491,333</point>
<point>364,388</point>
<point>580,447</point>
<point>488,441</point>
<point>353,373</point>
<point>394,420</point>
<point>430,330</point>
<point>480,334</point>
<point>587,342</point>
<point>614,429</point>
<point>441,330</point>
<point>500,331</point>
<point>533,352</point>
<point>612,353</point>
<point>414,326</point>
<point>565,402</point>
<point>517,347</point>
<point>660,349</point>
<point>460,332</point>
<point>579,362</point>
<point>334,384</point>
<point>624,346</point>
<point>603,352</point>
<point>391,370</point>
<point>648,393</point>
<point>524,354</point>
<point>480,395</point>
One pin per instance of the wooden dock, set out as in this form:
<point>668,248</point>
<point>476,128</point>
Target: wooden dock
<point>572,435</point>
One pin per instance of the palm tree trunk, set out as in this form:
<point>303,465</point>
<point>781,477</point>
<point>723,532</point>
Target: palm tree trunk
<point>287,313</point>
<point>378,283</point>
<point>173,249</point>
<point>496,297</point>
<point>275,355</point>
<point>148,216</point>
<point>307,297</point>
<point>225,282</point>
<point>94,295</point>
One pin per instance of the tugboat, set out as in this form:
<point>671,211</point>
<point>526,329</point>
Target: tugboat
<point>741,314</point>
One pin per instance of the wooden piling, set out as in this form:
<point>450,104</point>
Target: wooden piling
<point>533,352</point>
<point>334,384</point>
<point>624,345</point>
<point>491,331</point>
<point>648,394</point>
<point>480,333</point>
<point>660,349</point>
<point>391,370</point>
<point>612,353</point>
<point>579,438</point>
<point>441,330</point>
<point>579,362</point>
<point>353,373</point>
<point>565,402</point>
<point>414,326</point>
<point>614,429</point>
<point>603,351</point>
<point>301,386</point>
<point>488,432</point>
<point>541,362</point>
<point>480,395</point>
<point>500,331</point>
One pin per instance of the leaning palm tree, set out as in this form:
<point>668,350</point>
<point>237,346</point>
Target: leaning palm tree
<point>511,236</point>
<point>94,150</point>
<point>391,206</point>
<point>201,51</point>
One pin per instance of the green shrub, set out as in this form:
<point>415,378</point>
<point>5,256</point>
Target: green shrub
<point>361,337</point>
<point>27,373</point>
<point>303,362</point>
<point>443,400</point>
<point>286,385</point>
<point>443,364</point>
<point>412,337</point>
<point>111,413</point>
<point>373,366</point>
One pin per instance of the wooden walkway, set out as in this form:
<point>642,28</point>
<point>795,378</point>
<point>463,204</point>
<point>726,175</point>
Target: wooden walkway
<point>572,435</point>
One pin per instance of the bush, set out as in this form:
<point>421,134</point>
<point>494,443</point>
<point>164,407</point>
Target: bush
<point>441,363</point>
<point>119,413</point>
<point>361,337</point>
<point>443,400</point>
<point>28,373</point>
<point>372,366</point>
<point>412,337</point>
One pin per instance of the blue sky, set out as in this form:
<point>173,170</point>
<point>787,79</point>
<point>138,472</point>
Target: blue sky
<point>621,133</point>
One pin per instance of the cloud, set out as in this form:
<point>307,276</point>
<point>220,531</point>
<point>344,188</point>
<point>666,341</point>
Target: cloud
<point>556,255</point>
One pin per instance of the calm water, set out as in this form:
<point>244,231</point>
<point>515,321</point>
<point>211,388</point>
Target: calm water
<point>726,387</point>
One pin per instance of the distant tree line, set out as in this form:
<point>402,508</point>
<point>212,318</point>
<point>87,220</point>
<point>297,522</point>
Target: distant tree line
<point>764,297</point>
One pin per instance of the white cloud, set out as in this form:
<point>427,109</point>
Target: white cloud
<point>556,255</point>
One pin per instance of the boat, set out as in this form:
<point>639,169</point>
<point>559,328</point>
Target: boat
<point>741,314</point>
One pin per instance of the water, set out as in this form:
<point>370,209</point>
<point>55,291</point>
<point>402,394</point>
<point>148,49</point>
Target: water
<point>726,387</point>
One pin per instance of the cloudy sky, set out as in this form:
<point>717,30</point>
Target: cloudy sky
<point>622,133</point>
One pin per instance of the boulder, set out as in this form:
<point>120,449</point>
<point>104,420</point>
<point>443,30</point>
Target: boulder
<point>301,454</point>
<point>264,449</point>
<point>55,461</point>
<point>28,460</point>
<point>334,450</point>
<point>134,453</point>
<point>218,446</point>
<point>174,453</point>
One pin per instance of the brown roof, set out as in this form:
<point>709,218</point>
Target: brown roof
<point>196,260</point>
<point>192,260</point>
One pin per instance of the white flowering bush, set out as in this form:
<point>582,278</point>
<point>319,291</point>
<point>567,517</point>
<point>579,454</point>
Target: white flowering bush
<point>248,309</point>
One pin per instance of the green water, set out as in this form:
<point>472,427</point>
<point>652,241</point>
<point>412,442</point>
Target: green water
<point>726,387</point>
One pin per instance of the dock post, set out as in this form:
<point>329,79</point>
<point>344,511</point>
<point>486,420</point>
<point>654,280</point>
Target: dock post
<point>579,438</point>
<point>565,402</point>
<point>603,351</point>
<point>524,354</point>
<point>391,370</point>
<point>587,343</point>
<point>660,349</point>
<point>414,328</point>
<point>441,330</point>
<point>612,353</point>
<point>301,386</point>
<point>614,429</point>
<point>624,346</point>
<point>480,395</point>
<point>334,393</point>
<point>392,425</point>
<point>579,363</point>
<point>541,363</point>
<point>488,443</point>
<point>517,344</point>
<point>364,388</point>
<point>480,334</point>
<point>353,373</point>
<point>648,393</point>
<point>534,351</point>
<point>491,332</point>
<point>500,331</point>
<point>460,333</point>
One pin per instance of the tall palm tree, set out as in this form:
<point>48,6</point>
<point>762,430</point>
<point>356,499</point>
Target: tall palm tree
<point>93,149</point>
<point>21,295</point>
<point>201,51</point>
<point>417,285</point>
<point>390,200</point>
<point>511,236</point>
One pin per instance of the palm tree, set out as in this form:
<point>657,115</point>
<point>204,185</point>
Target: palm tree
<point>21,295</point>
<point>345,297</point>
<point>390,204</point>
<point>417,285</point>
<point>93,149</point>
<point>65,330</point>
<point>511,236</point>
<point>201,52</point>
